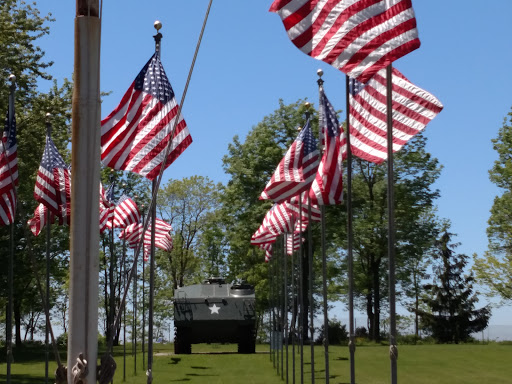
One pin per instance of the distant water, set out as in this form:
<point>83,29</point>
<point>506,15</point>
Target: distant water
<point>495,333</point>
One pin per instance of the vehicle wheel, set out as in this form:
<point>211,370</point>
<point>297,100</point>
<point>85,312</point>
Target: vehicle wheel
<point>246,340</point>
<point>182,343</point>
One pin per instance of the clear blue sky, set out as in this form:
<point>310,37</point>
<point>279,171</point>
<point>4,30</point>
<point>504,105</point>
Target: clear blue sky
<point>247,63</point>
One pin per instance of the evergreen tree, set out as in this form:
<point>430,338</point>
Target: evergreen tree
<point>452,317</point>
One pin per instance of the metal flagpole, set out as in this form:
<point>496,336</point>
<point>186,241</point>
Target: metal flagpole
<point>350,241</point>
<point>293,302</point>
<point>48,236</point>
<point>112,303</point>
<point>311,306</point>
<point>10,272</point>
<point>124,310</point>
<point>393,351</point>
<point>134,327</point>
<point>154,192</point>
<point>285,273</point>
<point>281,309</point>
<point>84,235</point>
<point>301,297</point>
<point>325,340</point>
<point>273,261</point>
<point>270,307</point>
<point>143,308</point>
<point>151,288</point>
<point>143,298</point>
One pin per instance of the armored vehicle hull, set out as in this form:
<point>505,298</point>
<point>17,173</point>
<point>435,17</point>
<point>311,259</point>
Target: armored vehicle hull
<point>214,312</point>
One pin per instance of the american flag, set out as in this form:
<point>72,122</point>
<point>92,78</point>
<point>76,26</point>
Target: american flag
<point>133,234</point>
<point>8,172</point>
<point>359,37</point>
<point>106,207</point>
<point>164,243</point>
<point>268,251</point>
<point>302,209</point>
<point>135,135</point>
<point>126,212</point>
<point>280,219</point>
<point>47,187</point>
<point>297,169</point>
<point>39,220</point>
<point>263,236</point>
<point>413,108</point>
<point>327,188</point>
<point>293,242</point>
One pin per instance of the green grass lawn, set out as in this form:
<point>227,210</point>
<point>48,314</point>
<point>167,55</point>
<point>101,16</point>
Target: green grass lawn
<point>215,364</point>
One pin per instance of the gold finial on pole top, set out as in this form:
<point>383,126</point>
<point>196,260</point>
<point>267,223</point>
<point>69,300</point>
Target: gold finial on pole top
<point>48,123</point>
<point>157,25</point>
<point>320,81</point>
<point>307,109</point>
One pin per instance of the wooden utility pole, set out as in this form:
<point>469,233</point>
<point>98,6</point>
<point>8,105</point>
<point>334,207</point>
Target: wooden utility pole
<point>84,233</point>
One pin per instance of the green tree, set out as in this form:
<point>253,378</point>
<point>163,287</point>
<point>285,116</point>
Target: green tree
<point>250,164</point>
<point>187,205</point>
<point>415,224</point>
<point>495,269</point>
<point>21,25</point>
<point>452,317</point>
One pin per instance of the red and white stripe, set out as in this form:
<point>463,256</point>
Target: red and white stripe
<point>280,219</point>
<point>359,37</point>
<point>133,234</point>
<point>296,170</point>
<point>303,209</point>
<point>293,242</point>
<point>62,178</point>
<point>327,188</point>
<point>134,137</point>
<point>413,108</point>
<point>126,212</point>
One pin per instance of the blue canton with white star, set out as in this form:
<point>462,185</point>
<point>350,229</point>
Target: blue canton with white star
<point>354,86</point>
<point>51,157</point>
<point>10,132</point>
<point>328,117</point>
<point>153,80</point>
<point>306,136</point>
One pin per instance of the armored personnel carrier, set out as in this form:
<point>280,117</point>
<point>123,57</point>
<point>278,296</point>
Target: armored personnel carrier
<point>214,312</point>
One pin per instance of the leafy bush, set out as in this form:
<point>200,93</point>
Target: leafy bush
<point>362,332</point>
<point>62,340</point>
<point>337,333</point>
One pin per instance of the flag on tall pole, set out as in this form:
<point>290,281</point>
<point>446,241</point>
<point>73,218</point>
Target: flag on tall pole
<point>53,181</point>
<point>327,188</point>
<point>40,219</point>
<point>135,135</point>
<point>297,169</point>
<point>359,37</point>
<point>126,212</point>
<point>413,108</point>
<point>8,170</point>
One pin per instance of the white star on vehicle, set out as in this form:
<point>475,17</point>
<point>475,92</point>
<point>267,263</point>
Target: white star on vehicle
<point>214,309</point>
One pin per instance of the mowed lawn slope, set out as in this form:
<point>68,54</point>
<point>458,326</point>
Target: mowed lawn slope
<point>219,364</point>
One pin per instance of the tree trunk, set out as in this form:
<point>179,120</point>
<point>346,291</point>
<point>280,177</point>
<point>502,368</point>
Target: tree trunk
<point>376,300</point>
<point>416,306</point>
<point>369,314</point>
<point>17,322</point>
<point>305,296</point>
